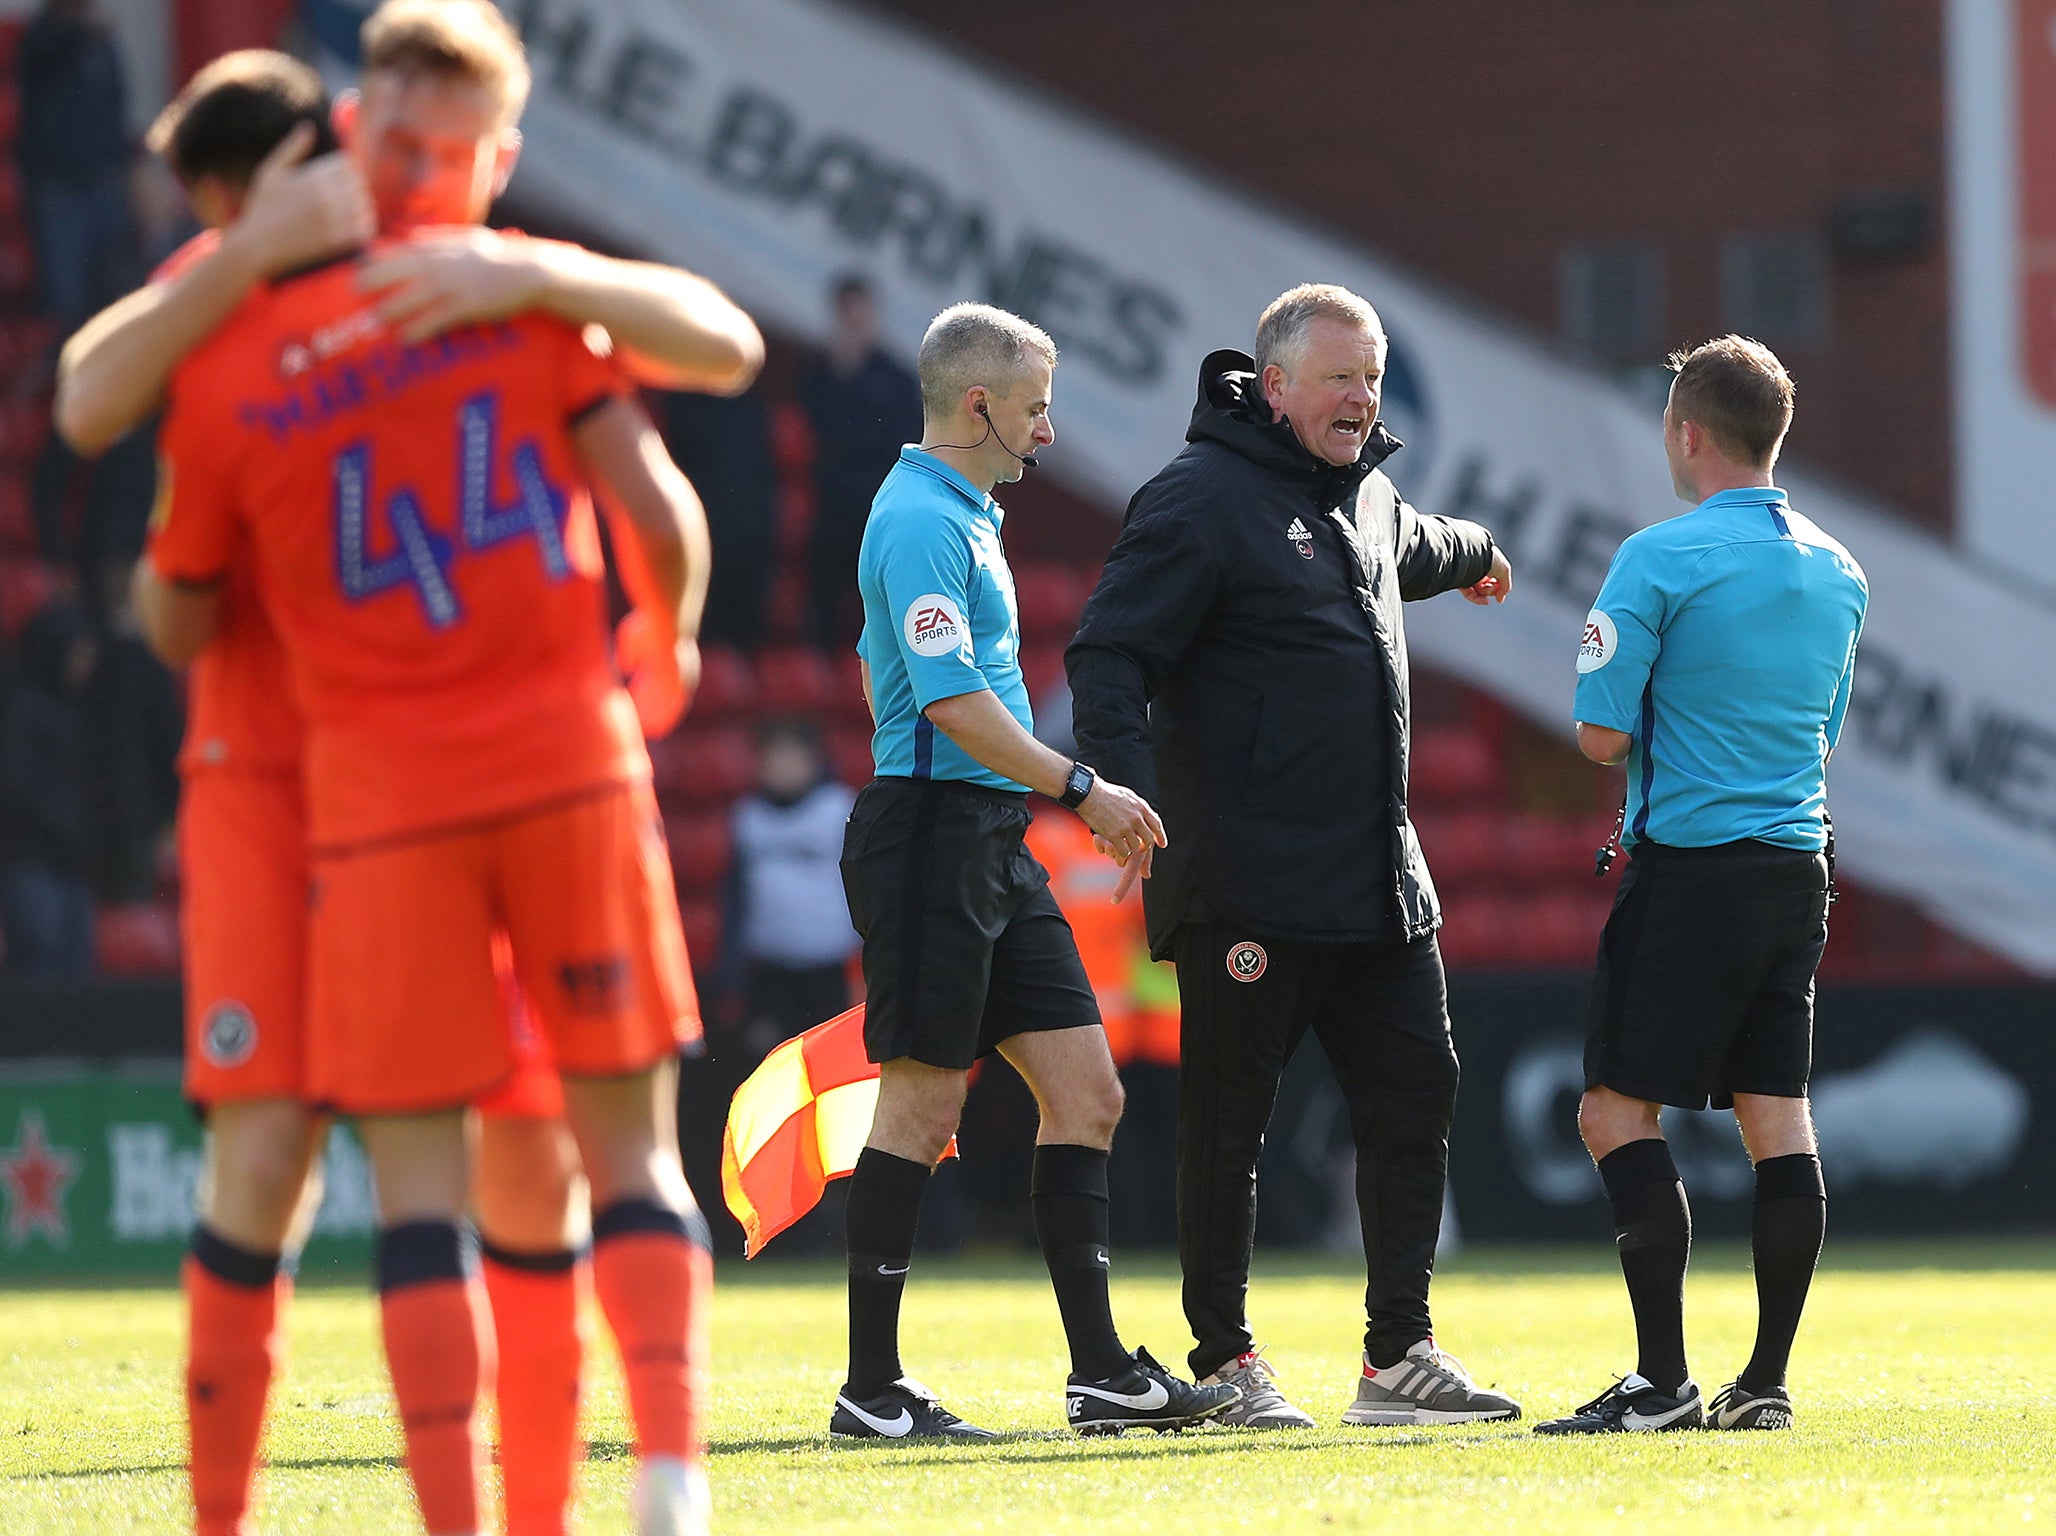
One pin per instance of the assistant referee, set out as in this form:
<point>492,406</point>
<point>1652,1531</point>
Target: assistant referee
<point>965,951</point>
<point>1717,663</point>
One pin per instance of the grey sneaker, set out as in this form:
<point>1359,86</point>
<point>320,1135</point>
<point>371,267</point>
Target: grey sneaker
<point>1427,1387</point>
<point>1262,1406</point>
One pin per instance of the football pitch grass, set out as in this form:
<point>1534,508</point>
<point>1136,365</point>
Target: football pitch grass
<point>1923,1384</point>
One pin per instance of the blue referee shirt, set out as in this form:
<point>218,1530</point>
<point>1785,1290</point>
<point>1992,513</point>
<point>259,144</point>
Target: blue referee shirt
<point>1723,643</point>
<point>939,617</point>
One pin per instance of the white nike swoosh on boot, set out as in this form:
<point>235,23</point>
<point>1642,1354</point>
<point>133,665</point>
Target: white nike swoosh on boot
<point>1155,1397</point>
<point>895,1427</point>
<point>1634,1418</point>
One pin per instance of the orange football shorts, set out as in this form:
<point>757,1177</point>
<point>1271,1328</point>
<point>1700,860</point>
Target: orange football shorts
<point>243,914</point>
<point>406,1011</point>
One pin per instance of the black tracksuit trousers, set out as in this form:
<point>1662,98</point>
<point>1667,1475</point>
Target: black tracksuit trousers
<point>1380,1012</point>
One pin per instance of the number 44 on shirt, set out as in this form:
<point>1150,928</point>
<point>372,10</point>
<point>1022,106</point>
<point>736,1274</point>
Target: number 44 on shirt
<point>421,557</point>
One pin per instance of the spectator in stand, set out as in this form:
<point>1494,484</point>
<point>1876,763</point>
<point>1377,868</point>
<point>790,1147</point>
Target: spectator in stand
<point>789,934</point>
<point>723,443</point>
<point>863,406</point>
<point>75,153</point>
<point>46,803</point>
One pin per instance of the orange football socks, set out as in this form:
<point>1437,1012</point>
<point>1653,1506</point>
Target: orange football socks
<point>439,1351</point>
<point>536,1299</point>
<point>654,1276</point>
<point>235,1302</point>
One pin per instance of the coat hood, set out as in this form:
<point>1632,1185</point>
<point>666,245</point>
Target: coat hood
<point>1232,411</point>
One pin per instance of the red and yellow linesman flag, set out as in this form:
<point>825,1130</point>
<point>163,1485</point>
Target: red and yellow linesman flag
<point>799,1120</point>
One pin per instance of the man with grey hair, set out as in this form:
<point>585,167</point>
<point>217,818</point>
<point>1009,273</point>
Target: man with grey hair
<point>1243,660</point>
<point>965,952</point>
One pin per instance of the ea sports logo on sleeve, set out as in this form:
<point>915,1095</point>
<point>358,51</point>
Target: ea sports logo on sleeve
<point>228,1035</point>
<point>1247,961</point>
<point>933,626</point>
<point>1600,642</point>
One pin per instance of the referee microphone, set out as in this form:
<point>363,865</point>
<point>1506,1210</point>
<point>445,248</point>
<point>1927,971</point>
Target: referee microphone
<point>1027,459</point>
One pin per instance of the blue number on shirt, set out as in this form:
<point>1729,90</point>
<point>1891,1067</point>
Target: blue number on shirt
<point>421,557</point>
<point>537,508</point>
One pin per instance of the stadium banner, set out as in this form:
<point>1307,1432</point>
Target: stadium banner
<point>1936,1109</point>
<point>98,1169</point>
<point>774,144</point>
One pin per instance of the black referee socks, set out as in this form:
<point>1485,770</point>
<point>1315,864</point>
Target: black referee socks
<point>1652,1225</point>
<point>1786,1228</point>
<point>884,1208</point>
<point>1068,1194</point>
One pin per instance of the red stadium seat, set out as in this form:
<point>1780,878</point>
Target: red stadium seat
<point>785,609</point>
<point>846,704</point>
<point>25,340</point>
<point>794,512</point>
<point>10,108</point>
<point>849,750</point>
<point>1042,668</point>
<point>136,940</point>
<point>702,923</point>
<point>1462,847</point>
<point>701,845</point>
<point>727,689</point>
<point>1452,766</point>
<point>10,192</point>
<point>794,680</point>
<point>25,585</point>
<point>17,527</point>
<point>1477,932</point>
<point>792,440</point>
<point>1545,850</point>
<point>704,768</point>
<point>23,426</point>
<point>17,264</point>
<point>1560,929</point>
<point>1050,597</point>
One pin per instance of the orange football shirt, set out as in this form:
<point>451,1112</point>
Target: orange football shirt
<point>239,707</point>
<point>424,540</point>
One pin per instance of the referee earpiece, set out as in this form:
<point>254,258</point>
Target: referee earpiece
<point>1027,460</point>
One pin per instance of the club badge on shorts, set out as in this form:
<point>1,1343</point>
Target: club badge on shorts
<point>1246,961</point>
<point>228,1035</point>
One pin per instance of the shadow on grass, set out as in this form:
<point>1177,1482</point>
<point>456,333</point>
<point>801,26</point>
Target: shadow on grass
<point>1045,1446</point>
<point>1971,1253</point>
<point>290,1464</point>
<point>1508,1261</point>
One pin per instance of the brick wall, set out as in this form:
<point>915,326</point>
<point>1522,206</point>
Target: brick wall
<point>1472,139</point>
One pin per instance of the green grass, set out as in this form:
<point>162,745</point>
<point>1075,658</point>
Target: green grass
<point>1923,1382</point>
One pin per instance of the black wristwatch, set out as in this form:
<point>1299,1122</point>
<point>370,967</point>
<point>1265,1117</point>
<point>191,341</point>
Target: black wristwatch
<point>1077,785</point>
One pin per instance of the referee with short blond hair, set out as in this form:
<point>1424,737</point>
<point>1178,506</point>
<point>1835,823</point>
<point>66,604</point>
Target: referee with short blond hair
<point>965,952</point>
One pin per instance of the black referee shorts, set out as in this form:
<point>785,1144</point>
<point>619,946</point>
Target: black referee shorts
<point>1705,979</point>
<point>963,944</point>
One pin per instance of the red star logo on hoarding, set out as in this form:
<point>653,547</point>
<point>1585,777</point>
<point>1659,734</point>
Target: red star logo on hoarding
<point>35,1176</point>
